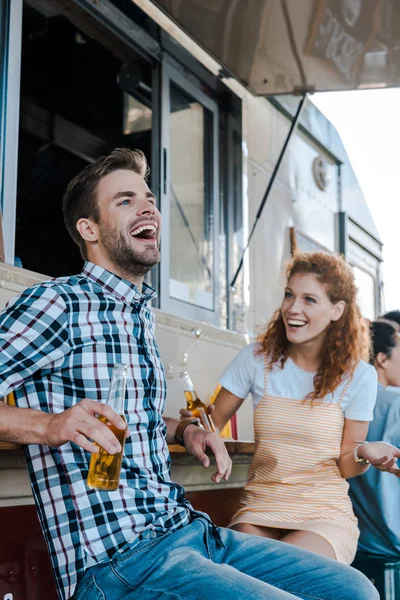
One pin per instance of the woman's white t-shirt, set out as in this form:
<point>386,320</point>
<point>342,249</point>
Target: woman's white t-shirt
<point>245,375</point>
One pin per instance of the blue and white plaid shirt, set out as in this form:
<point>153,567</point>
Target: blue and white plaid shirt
<point>59,341</point>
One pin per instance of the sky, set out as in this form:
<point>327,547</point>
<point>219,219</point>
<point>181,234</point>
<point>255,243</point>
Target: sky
<point>368,122</point>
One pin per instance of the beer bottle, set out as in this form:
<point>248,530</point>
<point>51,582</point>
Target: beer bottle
<point>104,469</point>
<point>194,404</point>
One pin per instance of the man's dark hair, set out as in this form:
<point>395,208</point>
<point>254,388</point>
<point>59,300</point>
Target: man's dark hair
<point>80,198</point>
<point>393,315</point>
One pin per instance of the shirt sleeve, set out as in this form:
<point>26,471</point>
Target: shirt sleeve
<point>392,429</point>
<point>362,392</point>
<point>33,334</point>
<point>239,376</point>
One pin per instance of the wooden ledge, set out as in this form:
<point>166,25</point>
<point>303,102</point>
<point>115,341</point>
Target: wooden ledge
<point>233,447</point>
<point>10,446</point>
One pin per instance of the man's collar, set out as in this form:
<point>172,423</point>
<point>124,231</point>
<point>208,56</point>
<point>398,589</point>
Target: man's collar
<point>121,288</point>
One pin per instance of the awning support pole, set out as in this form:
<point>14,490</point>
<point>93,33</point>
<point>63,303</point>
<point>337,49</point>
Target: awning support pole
<point>293,127</point>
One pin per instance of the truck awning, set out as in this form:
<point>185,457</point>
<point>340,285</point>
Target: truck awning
<point>294,46</point>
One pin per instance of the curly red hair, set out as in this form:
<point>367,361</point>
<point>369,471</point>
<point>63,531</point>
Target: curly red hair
<point>347,340</point>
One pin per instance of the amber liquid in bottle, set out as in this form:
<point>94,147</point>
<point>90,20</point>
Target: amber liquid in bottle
<point>194,404</point>
<point>105,468</point>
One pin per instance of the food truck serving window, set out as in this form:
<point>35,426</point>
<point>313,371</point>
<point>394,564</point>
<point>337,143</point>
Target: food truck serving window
<point>86,86</point>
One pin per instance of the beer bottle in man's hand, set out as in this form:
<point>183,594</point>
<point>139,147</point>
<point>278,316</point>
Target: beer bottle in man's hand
<point>105,468</point>
<point>194,404</point>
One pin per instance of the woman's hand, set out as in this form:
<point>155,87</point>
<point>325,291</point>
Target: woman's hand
<point>224,407</point>
<point>186,414</point>
<point>381,455</point>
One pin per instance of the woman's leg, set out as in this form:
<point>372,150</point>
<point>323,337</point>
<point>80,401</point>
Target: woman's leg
<point>269,532</point>
<point>303,539</point>
<point>309,541</point>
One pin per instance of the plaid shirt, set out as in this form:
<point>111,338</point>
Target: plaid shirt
<point>59,341</point>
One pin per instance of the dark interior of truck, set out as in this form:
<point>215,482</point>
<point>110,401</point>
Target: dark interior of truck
<point>78,100</point>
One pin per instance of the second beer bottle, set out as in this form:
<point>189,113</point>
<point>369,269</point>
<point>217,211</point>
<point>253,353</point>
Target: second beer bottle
<point>194,404</point>
<point>104,469</point>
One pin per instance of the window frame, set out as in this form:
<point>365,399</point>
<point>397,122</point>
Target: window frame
<point>362,269</point>
<point>235,218</point>
<point>172,73</point>
<point>364,251</point>
<point>11,48</point>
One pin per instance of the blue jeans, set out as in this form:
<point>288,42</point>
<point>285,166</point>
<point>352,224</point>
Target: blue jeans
<point>204,562</point>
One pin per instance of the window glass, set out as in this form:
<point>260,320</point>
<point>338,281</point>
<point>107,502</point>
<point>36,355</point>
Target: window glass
<point>191,214</point>
<point>366,292</point>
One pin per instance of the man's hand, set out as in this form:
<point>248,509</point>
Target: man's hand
<point>198,440</point>
<point>80,425</point>
<point>381,455</point>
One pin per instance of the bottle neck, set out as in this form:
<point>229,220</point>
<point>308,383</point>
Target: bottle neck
<point>116,394</point>
<point>186,382</point>
<point>188,388</point>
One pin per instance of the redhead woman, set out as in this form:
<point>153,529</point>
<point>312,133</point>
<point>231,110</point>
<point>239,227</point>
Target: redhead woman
<point>313,396</point>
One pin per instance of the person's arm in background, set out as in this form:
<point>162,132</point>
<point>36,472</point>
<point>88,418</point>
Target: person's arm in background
<point>33,333</point>
<point>358,414</point>
<point>380,455</point>
<point>223,409</point>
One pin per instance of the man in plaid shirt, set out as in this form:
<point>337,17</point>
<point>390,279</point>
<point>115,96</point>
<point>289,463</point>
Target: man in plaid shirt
<point>59,341</point>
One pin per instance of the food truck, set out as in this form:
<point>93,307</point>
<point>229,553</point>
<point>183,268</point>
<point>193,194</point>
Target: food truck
<point>218,94</point>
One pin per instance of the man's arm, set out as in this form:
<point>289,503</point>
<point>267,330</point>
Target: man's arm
<point>196,442</point>
<point>34,335</point>
<point>77,424</point>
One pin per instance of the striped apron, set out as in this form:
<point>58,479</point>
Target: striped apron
<point>294,480</point>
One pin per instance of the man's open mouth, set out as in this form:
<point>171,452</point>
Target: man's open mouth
<point>145,232</point>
